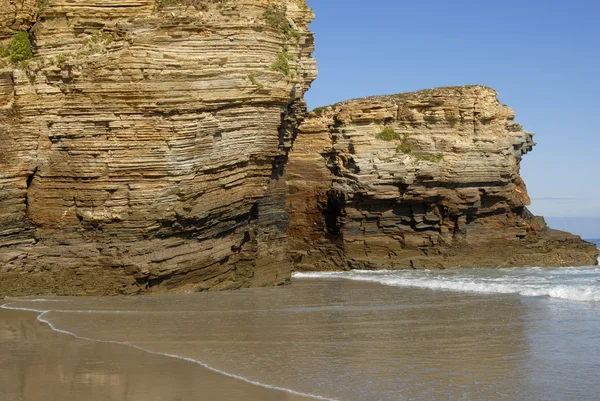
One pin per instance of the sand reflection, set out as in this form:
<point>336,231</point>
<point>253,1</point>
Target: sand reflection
<point>39,364</point>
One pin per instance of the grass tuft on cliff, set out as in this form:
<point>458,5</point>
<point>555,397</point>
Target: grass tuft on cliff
<point>19,48</point>
<point>42,5</point>
<point>255,81</point>
<point>276,16</point>
<point>319,111</point>
<point>388,134</point>
<point>282,63</point>
<point>404,148</point>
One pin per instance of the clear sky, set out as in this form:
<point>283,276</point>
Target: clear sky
<point>543,57</point>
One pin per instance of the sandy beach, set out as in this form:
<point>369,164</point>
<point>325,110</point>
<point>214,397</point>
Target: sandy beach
<point>478,334</point>
<point>39,364</point>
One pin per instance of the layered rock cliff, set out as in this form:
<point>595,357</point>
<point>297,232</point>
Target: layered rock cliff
<point>142,147</point>
<point>419,180</point>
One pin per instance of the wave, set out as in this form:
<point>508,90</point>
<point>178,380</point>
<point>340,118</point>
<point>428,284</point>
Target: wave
<point>552,284</point>
<point>41,318</point>
<point>25,299</point>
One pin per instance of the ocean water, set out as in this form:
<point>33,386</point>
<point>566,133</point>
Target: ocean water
<point>478,334</point>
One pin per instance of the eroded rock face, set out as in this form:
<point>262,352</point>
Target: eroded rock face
<point>142,149</point>
<point>420,180</point>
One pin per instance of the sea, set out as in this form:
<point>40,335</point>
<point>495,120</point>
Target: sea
<point>530,334</point>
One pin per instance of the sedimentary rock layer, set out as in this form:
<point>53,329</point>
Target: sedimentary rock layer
<point>142,148</point>
<point>419,180</point>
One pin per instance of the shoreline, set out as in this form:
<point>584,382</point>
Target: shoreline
<point>213,383</point>
<point>345,339</point>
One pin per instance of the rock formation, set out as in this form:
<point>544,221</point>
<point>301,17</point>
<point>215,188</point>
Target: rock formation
<point>419,180</point>
<point>142,148</point>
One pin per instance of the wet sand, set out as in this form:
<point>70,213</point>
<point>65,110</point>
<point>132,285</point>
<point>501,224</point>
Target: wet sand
<point>39,364</point>
<point>339,339</point>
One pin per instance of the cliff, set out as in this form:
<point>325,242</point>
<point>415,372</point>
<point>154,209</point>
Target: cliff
<point>142,147</point>
<point>418,180</point>
<point>145,146</point>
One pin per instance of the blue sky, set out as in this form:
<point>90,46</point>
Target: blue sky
<point>543,57</point>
